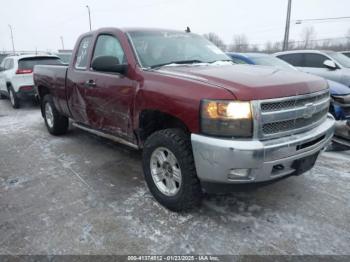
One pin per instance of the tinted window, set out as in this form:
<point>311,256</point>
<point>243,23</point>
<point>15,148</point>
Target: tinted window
<point>8,64</point>
<point>82,54</point>
<point>108,45</point>
<point>340,59</point>
<point>293,59</point>
<point>314,60</point>
<point>29,63</point>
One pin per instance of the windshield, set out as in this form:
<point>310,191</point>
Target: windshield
<point>165,47</point>
<point>272,61</point>
<point>340,59</point>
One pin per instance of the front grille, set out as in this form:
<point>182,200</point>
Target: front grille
<point>292,103</point>
<point>282,126</point>
<point>285,116</point>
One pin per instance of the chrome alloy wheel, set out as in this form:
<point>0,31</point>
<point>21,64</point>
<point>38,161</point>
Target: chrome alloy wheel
<point>165,171</point>
<point>49,115</point>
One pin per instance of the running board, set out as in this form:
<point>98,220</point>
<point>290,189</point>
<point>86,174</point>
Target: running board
<point>105,135</point>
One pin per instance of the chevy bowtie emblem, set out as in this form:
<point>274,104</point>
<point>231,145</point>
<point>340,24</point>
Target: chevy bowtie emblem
<point>309,110</point>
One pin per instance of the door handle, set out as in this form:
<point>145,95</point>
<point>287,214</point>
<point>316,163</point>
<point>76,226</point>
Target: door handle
<point>90,83</point>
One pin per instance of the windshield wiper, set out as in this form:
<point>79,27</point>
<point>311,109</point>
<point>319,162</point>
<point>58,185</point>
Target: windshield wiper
<point>181,62</point>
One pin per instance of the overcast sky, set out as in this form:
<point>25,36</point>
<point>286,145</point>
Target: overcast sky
<point>38,24</point>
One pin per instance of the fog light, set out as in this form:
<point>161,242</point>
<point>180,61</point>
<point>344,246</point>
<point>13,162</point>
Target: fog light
<point>239,173</point>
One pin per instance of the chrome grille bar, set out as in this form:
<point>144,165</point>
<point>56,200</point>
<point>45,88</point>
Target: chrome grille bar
<point>284,116</point>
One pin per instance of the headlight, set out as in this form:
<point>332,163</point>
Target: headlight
<point>226,118</point>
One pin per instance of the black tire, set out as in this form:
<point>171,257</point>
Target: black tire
<point>59,124</point>
<point>13,97</point>
<point>2,96</point>
<point>190,193</point>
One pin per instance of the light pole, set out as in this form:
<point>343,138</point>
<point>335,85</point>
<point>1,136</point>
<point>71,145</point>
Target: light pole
<point>62,42</point>
<point>88,8</point>
<point>13,44</point>
<point>286,32</point>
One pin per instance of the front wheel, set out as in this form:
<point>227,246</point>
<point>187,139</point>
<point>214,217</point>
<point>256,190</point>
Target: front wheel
<point>169,170</point>
<point>56,123</point>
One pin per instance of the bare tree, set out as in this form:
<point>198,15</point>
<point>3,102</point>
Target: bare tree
<point>216,40</point>
<point>240,43</point>
<point>307,35</point>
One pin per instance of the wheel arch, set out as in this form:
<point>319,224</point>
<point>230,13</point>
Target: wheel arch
<point>151,121</point>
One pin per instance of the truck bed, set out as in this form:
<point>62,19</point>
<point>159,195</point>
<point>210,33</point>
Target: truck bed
<point>52,77</point>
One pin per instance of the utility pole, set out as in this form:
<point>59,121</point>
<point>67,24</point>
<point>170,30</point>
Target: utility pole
<point>286,33</point>
<point>13,44</point>
<point>62,42</point>
<point>88,8</point>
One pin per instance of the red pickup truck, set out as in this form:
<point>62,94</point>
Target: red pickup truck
<point>199,118</point>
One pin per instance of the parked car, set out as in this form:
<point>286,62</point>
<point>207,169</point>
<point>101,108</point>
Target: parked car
<point>65,57</point>
<point>328,64</point>
<point>341,111</point>
<point>260,59</point>
<point>16,76</point>
<point>347,53</point>
<point>200,119</point>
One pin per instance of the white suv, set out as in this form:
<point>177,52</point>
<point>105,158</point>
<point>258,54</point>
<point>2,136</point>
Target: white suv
<point>328,64</point>
<point>16,76</point>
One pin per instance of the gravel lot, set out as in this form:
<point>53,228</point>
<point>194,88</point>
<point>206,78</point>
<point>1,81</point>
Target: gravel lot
<point>80,194</point>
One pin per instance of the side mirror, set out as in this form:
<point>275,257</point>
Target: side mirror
<point>330,64</point>
<point>109,64</point>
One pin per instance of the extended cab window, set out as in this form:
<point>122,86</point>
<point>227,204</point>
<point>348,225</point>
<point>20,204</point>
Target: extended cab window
<point>81,61</point>
<point>293,59</point>
<point>314,60</point>
<point>108,45</point>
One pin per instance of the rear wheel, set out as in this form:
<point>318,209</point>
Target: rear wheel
<point>56,123</point>
<point>13,97</point>
<point>2,96</point>
<point>169,170</point>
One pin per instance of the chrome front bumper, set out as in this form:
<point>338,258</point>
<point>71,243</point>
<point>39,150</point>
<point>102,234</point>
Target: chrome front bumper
<point>248,161</point>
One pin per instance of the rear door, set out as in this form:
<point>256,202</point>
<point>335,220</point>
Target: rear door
<point>109,98</point>
<point>76,81</point>
<point>2,75</point>
<point>7,73</point>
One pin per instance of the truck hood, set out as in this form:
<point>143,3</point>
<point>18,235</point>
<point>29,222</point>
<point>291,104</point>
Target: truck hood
<point>247,82</point>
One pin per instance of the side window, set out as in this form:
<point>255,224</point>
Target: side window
<point>4,63</point>
<point>293,59</point>
<point>108,45</point>
<point>10,64</point>
<point>81,61</point>
<point>314,60</point>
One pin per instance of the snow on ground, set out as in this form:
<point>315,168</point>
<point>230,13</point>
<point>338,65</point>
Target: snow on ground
<point>80,194</point>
